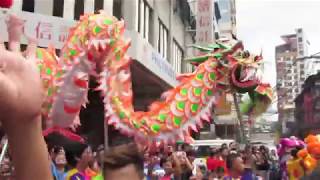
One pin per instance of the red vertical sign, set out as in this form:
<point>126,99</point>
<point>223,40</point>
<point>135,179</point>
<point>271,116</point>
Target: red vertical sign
<point>205,29</point>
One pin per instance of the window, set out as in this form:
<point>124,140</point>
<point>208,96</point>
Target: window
<point>58,8</point>
<point>117,12</point>
<point>78,8</point>
<point>163,40</point>
<point>188,67</point>
<point>301,52</point>
<point>98,5</point>
<point>144,16</point>
<point>177,55</point>
<point>300,39</point>
<point>28,5</point>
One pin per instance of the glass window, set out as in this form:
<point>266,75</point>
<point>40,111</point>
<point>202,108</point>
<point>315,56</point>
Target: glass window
<point>58,6</point>
<point>144,16</point>
<point>301,52</point>
<point>98,5</point>
<point>117,12</point>
<point>78,9</point>
<point>28,5</point>
<point>177,56</point>
<point>225,11</point>
<point>163,40</point>
<point>189,67</point>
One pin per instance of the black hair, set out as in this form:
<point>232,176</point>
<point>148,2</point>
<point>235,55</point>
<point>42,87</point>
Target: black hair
<point>120,156</point>
<point>212,153</point>
<point>294,152</point>
<point>191,153</point>
<point>163,160</point>
<point>224,145</point>
<point>230,158</point>
<point>57,149</point>
<point>75,153</point>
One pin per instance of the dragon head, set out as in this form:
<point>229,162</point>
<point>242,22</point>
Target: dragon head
<point>246,72</point>
<point>241,72</point>
<point>241,68</point>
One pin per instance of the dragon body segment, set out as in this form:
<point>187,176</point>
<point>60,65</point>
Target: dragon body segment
<point>180,110</point>
<point>96,47</point>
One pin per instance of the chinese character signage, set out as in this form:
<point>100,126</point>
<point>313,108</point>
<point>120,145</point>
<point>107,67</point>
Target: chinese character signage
<point>205,29</point>
<point>46,29</point>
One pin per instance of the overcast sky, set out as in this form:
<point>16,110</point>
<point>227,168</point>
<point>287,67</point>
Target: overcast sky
<point>260,23</point>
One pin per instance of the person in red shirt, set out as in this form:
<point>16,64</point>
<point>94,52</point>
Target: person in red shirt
<point>212,161</point>
<point>217,159</point>
<point>224,152</point>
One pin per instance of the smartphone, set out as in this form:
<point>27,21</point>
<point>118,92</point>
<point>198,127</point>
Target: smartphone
<point>181,154</point>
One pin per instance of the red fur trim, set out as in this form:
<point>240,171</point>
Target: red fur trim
<point>64,132</point>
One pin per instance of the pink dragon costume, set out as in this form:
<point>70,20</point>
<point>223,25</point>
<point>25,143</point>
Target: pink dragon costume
<point>284,148</point>
<point>96,47</point>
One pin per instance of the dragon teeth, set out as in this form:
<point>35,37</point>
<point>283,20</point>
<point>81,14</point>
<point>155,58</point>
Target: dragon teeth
<point>96,45</point>
<point>102,44</point>
<point>248,74</point>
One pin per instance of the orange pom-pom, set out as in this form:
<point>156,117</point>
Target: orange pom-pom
<point>302,153</point>
<point>311,138</point>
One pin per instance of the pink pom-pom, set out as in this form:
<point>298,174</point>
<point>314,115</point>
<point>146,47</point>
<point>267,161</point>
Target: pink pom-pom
<point>6,3</point>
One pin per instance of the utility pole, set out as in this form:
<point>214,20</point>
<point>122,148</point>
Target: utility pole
<point>240,120</point>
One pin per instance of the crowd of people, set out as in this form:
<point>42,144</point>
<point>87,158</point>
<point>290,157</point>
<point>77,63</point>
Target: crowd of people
<point>225,162</point>
<point>127,160</point>
<point>167,163</point>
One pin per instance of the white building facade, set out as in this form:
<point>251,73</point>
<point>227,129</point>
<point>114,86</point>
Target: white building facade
<point>291,73</point>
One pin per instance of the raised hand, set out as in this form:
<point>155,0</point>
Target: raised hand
<point>21,92</point>
<point>21,97</point>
